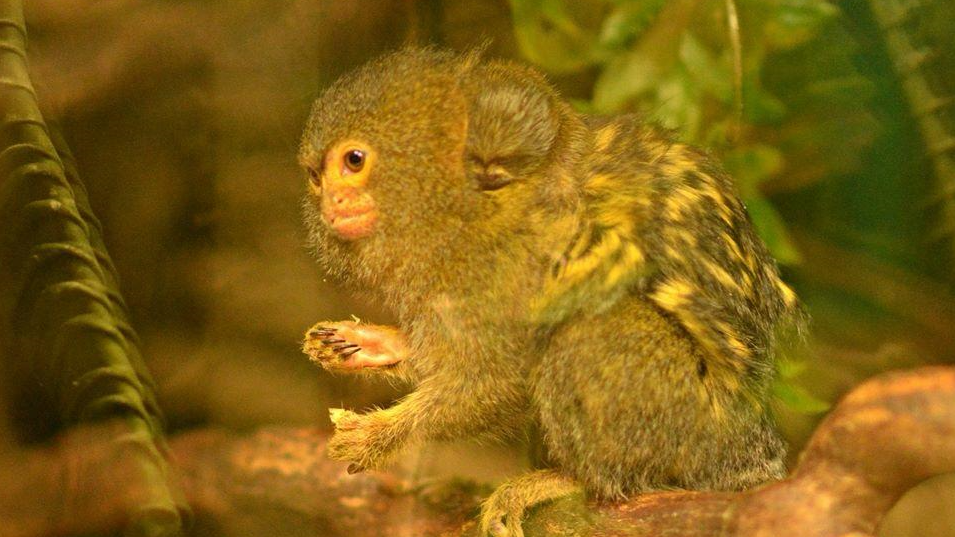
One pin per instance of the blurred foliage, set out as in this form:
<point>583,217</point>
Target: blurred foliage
<point>792,394</point>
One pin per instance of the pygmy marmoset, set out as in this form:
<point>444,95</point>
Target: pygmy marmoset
<point>587,276</point>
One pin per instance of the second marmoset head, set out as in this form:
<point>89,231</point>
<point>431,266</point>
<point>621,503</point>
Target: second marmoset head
<point>590,276</point>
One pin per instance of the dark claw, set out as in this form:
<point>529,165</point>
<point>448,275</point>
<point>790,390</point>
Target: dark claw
<point>332,341</point>
<point>344,347</point>
<point>355,468</point>
<point>346,354</point>
<point>314,332</point>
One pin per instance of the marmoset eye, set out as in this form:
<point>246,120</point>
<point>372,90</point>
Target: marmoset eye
<point>355,160</point>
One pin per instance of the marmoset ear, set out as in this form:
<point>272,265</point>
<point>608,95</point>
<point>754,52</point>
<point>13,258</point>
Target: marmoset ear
<point>512,123</point>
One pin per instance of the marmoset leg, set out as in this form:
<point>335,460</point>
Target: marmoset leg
<point>503,511</point>
<point>441,408</point>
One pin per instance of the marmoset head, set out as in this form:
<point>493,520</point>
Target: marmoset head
<point>430,151</point>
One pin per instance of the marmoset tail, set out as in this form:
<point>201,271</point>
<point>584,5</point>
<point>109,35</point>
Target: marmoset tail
<point>589,277</point>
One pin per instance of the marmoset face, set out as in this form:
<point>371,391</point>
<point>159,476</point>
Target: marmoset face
<point>384,149</point>
<point>429,148</point>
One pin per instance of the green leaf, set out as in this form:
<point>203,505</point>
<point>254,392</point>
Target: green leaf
<point>798,399</point>
<point>677,104</point>
<point>773,231</point>
<point>584,106</point>
<point>790,368</point>
<point>760,106</point>
<point>627,22</point>
<point>557,35</point>
<point>669,95</point>
<point>795,22</point>
<point>626,77</point>
<point>707,70</point>
<point>753,164</point>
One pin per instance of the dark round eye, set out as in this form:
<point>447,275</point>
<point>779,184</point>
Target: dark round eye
<point>355,160</point>
<point>313,176</point>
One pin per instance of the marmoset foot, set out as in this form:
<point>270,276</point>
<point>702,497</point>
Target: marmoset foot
<point>503,511</point>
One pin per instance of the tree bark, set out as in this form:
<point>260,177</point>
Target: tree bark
<point>885,437</point>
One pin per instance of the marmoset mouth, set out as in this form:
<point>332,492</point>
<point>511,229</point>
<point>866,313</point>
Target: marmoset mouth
<point>351,223</point>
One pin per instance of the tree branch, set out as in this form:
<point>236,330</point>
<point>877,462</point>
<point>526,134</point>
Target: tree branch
<point>886,436</point>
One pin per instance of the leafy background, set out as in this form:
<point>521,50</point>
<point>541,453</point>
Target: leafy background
<point>184,118</point>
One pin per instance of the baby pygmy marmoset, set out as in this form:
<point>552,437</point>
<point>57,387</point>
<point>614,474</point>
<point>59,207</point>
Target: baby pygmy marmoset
<point>588,276</point>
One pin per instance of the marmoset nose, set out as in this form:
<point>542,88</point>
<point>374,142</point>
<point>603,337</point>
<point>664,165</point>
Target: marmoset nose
<point>348,211</point>
<point>341,196</point>
<point>345,199</point>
